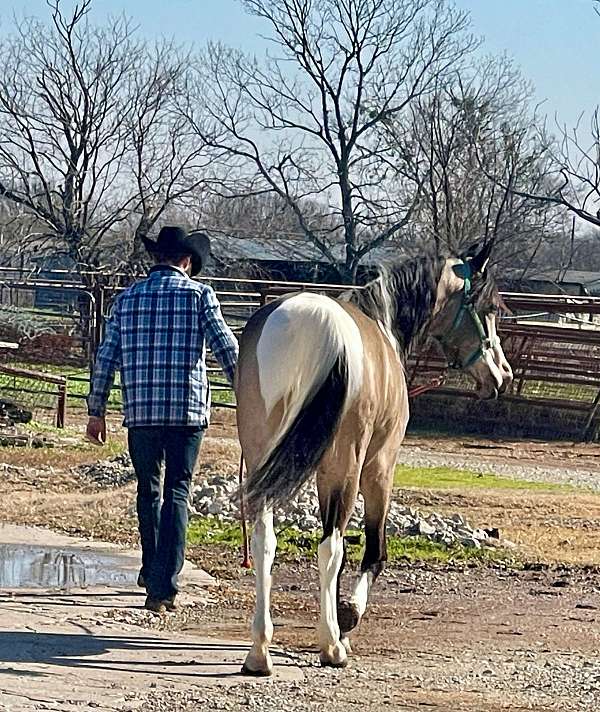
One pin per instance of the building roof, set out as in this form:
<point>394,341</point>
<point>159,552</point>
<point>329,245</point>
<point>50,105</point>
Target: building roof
<point>273,249</point>
<point>587,281</point>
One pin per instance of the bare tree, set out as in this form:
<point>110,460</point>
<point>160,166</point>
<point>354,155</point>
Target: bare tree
<point>91,144</point>
<point>170,162</point>
<point>299,124</point>
<point>472,143</point>
<point>62,124</point>
<point>574,181</point>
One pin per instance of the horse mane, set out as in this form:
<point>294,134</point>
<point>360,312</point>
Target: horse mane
<point>401,297</point>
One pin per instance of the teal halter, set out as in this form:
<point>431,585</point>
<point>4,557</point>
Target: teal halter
<point>467,308</point>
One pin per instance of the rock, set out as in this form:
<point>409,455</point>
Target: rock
<point>471,543</point>
<point>425,529</point>
<point>216,496</point>
<point>116,472</point>
<point>480,534</point>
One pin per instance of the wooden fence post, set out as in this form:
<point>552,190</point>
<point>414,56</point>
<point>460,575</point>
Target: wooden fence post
<point>61,406</point>
<point>96,319</point>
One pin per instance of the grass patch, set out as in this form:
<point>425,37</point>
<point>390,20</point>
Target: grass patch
<point>560,391</point>
<point>448,478</point>
<point>72,440</point>
<point>292,543</point>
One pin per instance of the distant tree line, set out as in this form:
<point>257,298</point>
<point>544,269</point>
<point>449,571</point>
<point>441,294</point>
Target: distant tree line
<point>368,125</point>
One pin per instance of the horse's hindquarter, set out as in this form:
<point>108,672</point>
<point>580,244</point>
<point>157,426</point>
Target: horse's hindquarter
<point>377,410</point>
<point>255,428</point>
<point>289,351</point>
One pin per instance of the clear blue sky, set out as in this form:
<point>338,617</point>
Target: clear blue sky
<point>556,42</point>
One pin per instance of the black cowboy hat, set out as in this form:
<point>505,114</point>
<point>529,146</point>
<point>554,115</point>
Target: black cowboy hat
<point>176,241</point>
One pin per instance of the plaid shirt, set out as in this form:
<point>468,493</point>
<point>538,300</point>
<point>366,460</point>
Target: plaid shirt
<point>157,335</point>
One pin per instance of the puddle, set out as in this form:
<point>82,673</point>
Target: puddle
<point>24,566</point>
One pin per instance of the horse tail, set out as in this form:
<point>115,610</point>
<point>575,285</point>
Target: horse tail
<point>310,364</point>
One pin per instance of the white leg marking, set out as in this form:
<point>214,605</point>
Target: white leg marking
<point>264,544</point>
<point>345,641</point>
<point>361,592</point>
<point>331,553</point>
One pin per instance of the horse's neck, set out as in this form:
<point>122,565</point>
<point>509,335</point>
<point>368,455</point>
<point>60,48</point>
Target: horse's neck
<point>401,300</point>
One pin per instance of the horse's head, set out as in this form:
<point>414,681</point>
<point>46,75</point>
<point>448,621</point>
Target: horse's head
<point>464,321</point>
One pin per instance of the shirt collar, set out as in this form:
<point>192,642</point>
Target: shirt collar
<point>168,268</point>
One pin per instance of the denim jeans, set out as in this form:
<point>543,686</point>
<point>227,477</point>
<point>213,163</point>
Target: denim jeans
<point>163,527</point>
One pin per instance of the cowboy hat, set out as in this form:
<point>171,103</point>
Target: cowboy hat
<point>176,241</point>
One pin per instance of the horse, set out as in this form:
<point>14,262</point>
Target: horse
<point>321,389</point>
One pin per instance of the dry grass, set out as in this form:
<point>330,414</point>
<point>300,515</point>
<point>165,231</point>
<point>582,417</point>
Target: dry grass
<point>546,526</point>
<point>105,516</point>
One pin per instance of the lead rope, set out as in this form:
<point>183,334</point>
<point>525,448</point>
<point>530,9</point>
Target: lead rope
<point>246,560</point>
<point>425,387</point>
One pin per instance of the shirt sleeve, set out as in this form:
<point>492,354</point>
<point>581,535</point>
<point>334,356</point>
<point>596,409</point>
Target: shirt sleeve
<point>108,359</point>
<point>219,336</point>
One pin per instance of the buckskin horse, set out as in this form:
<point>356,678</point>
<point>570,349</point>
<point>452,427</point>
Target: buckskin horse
<point>321,389</point>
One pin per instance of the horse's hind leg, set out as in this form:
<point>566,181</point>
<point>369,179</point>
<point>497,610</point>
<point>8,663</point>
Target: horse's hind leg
<point>258,661</point>
<point>255,430</point>
<point>376,488</point>
<point>336,506</point>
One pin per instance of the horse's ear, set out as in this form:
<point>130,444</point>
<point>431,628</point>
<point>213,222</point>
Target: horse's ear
<point>478,257</point>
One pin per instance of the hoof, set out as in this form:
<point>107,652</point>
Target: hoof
<point>348,616</point>
<point>255,673</point>
<point>326,662</point>
<point>334,656</point>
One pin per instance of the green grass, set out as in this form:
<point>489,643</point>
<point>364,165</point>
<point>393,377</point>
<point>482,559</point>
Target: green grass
<point>76,441</point>
<point>292,543</point>
<point>448,478</point>
<point>218,396</point>
<point>559,391</point>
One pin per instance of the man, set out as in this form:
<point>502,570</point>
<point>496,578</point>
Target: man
<point>157,336</point>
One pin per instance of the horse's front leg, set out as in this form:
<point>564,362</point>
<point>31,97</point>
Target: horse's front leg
<point>264,543</point>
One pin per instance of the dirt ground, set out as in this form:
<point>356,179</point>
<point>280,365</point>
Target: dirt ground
<point>477,638</point>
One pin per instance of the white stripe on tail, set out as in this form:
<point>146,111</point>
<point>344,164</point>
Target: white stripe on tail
<point>298,346</point>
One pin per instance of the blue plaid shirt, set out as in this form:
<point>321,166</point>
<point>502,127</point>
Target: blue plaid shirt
<point>157,335</point>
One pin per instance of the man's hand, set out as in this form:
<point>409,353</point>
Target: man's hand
<point>96,430</point>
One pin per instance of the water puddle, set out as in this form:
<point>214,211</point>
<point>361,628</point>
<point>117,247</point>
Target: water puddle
<point>24,566</point>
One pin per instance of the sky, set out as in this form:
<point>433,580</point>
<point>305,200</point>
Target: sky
<point>555,42</point>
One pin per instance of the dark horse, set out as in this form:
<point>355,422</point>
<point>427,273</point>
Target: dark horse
<point>321,389</point>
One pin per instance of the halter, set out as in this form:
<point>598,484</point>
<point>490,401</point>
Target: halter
<point>467,308</point>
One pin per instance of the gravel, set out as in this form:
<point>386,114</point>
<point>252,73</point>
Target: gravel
<point>116,472</point>
<point>567,682</point>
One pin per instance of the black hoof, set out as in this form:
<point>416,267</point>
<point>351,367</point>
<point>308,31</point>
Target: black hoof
<point>348,616</point>
<point>256,673</point>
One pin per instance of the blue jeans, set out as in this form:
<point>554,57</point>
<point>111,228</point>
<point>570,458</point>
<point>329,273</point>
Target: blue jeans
<point>163,528</point>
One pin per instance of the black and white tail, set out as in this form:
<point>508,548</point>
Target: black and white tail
<point>310,360</point>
